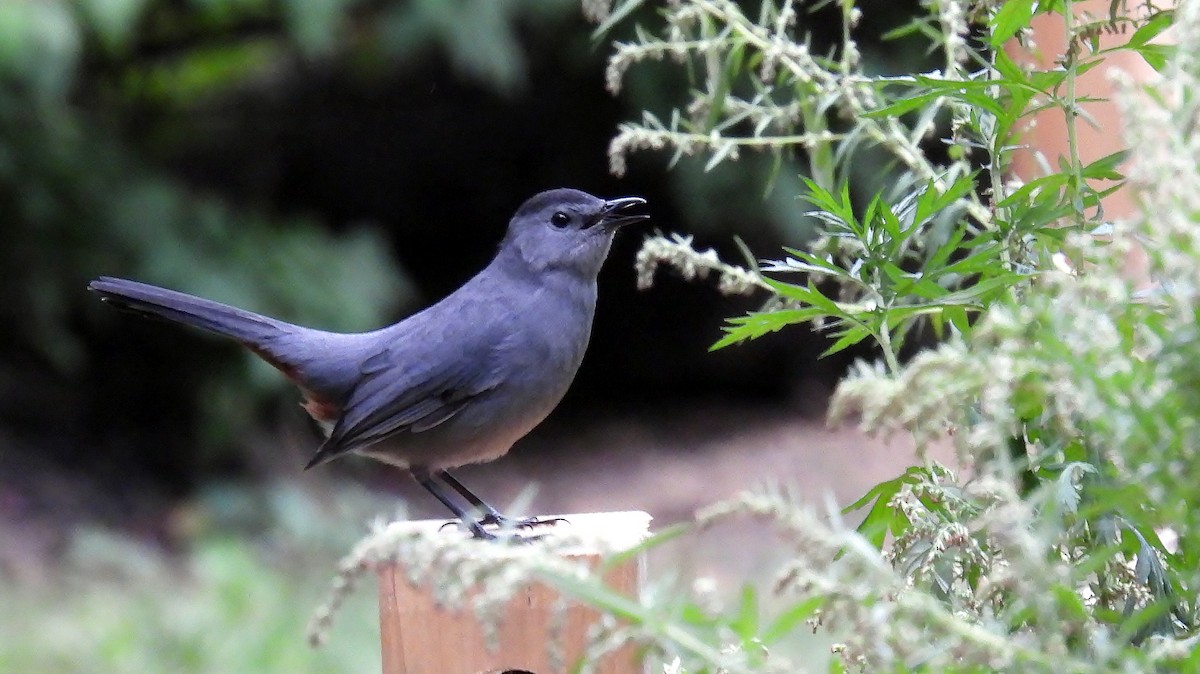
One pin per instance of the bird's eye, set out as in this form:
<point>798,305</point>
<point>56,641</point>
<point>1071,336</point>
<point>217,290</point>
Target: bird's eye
<point>560,219</point>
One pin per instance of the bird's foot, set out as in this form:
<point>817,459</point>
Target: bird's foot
<point>503,523</point>
<point>509,536</point>
<point>506,522</point>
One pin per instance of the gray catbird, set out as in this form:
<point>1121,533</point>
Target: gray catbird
<point>456,383</point>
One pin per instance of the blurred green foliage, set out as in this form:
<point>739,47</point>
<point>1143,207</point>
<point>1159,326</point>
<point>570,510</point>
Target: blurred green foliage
<point>98,98</point>
<point>237,600</point>
<point>227,612</point>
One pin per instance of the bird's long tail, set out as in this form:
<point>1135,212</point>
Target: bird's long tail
<point>245,326</point>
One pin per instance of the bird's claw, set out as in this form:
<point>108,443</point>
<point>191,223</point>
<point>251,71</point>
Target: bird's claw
<point>503,522</point>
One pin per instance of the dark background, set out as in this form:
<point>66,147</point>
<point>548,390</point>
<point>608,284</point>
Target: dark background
<point>341,171</point>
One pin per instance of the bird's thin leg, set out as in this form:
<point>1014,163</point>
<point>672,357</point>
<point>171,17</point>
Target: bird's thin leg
<point>490,514</point>
<point>426,480</point>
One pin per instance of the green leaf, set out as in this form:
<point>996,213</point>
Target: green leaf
<point>1105,168</point>
<point>1009,70</point>
<point>592,591</point>
<point>733,61</point>
<point>894,273</point>
<point>879,518</point>
<point>659,537</point>
<point>757,324</point>
<point>910,28</point>
<point>1151,29</point>
<point>903,105</point>
<point>784,623</point>
<point>692,614</point>
<point>598,595</point>
<point>1070,603</point>
<point>1157,55</point>
<point>809,294</point>
<point>926,289</point>
<point>890,223</point>
<point>984,290</point>
<point>817,264</point>
<point>911,475</point>
<point>792,291</point>
<point>960,188</point>
<point>745,623</point>
<point>1012,16</point>
<point>851,335</point>
<point>934,265</point>
<point>839,207</point>
<point>957,316</point>
<point>1046,185</point>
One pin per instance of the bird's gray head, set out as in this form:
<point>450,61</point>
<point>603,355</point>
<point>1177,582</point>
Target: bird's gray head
<point>567,230</point>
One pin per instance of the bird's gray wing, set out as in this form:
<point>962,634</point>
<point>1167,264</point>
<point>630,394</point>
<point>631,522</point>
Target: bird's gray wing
<point>415,383</point>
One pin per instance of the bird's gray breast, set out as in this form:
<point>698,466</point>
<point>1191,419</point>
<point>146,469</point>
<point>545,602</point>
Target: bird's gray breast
<point>541,336</point>
<point>540,353</point>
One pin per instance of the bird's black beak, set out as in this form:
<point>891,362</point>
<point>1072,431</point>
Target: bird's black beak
<point>611,216</point>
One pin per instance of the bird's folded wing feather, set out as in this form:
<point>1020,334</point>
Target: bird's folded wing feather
<point>411,386</point>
